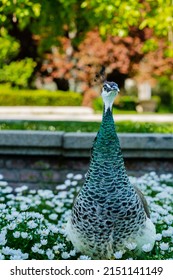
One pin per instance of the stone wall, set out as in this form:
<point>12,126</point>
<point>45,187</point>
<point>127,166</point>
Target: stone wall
<point>42,159</point>
<point>48,171</point>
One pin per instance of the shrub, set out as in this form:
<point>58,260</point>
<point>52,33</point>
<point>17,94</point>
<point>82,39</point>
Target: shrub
<point>127,103</point>
<point>11,97</point>
<point>164,90</point>
<point>18,73</point>
<point>77,126</point>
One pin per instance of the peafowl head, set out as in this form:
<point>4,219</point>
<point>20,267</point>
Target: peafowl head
<point>109,92</point>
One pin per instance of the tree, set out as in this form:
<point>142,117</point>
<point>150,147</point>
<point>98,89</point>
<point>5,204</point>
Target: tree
<point>122,57</point>
<point>30,28</point>
<point>73,18</point>
<point>115,17</point>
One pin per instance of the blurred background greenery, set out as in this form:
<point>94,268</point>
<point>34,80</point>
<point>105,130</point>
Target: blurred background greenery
<point>50,52</point>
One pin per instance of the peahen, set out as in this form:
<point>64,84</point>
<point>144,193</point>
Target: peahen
<point>108,212</point>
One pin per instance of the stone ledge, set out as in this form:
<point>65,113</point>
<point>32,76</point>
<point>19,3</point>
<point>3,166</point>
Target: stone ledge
<point>28,138</point>
<point>46,143</point>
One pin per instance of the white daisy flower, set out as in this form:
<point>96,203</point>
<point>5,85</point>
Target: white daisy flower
<point>147,247</point>
<point>164,246</point>
<point>83,257</point>
<point>16,234</point>
<point>118,254</point>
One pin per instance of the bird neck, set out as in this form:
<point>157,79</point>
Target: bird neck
<point>107,128</point>
<point>106,152</point>
<point>107,138</point>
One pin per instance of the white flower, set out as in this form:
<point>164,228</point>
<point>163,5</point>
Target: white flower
<point>32,224</point>
<point>50,254</point>
<point>53,217</point>
<point>59,246</point>
<point>147,247</point>
<point>49,203</point>
<point>6,250</point>
<point>44,232</point>
<point>36,247</point>
<point>14,214</point>
<point>53,228</point>
<point>58,210</point>
<point>16,257</point>
<point>83,257</point>
<point>37,202</point>
<point>24,235</point>
<point>62,194</point>
<point>18,190</point>
<point>164,246</point>
<point>3,184</point>
<point>2,206</point>
<point>73,253</point>
<point>118,254</point>
<point>43,241</point>
<point>65,255</point>
<point>74,183</point>
<point>12,226</point>
<point>131,246</point>
<point>168,219</point>
<point>32,191</point>
<point>25,256</point>
<point>23,207</point>
<point>7,190</point>
<point>1,176</point>
<point>77,177</point>
<point>2,257</point>
<point>158,236</point>
<point>45,211</point>
<point>67,183</point>
<point>61,187</point>
<point>24,188</point>
<point>168,232</point>
<point>3,239</point>
<point>70,175</point>
<point>16,234</point>
<point>41,252</point>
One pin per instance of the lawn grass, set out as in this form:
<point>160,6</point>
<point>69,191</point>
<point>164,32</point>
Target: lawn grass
<point>77,126</point>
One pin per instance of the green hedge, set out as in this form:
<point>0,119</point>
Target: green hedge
<point>76,126</point>
<point>127,103</point>
<point>15,97</point>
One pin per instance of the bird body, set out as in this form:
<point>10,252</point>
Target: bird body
<point>108,212</point>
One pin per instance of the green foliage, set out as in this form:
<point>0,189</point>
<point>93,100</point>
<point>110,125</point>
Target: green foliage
<point>150,45</point>
<point>115,16</point>
<point>17,73</point>
<point>127,103</point>
<point>76,126</point>
<point>22,11</point>
<point>158,17</point>
<point>164,90</point>
<point>12,97</point>
<point>8,47</point>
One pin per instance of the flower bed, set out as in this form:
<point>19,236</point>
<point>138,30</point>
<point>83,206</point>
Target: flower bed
<point>32,223</point>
